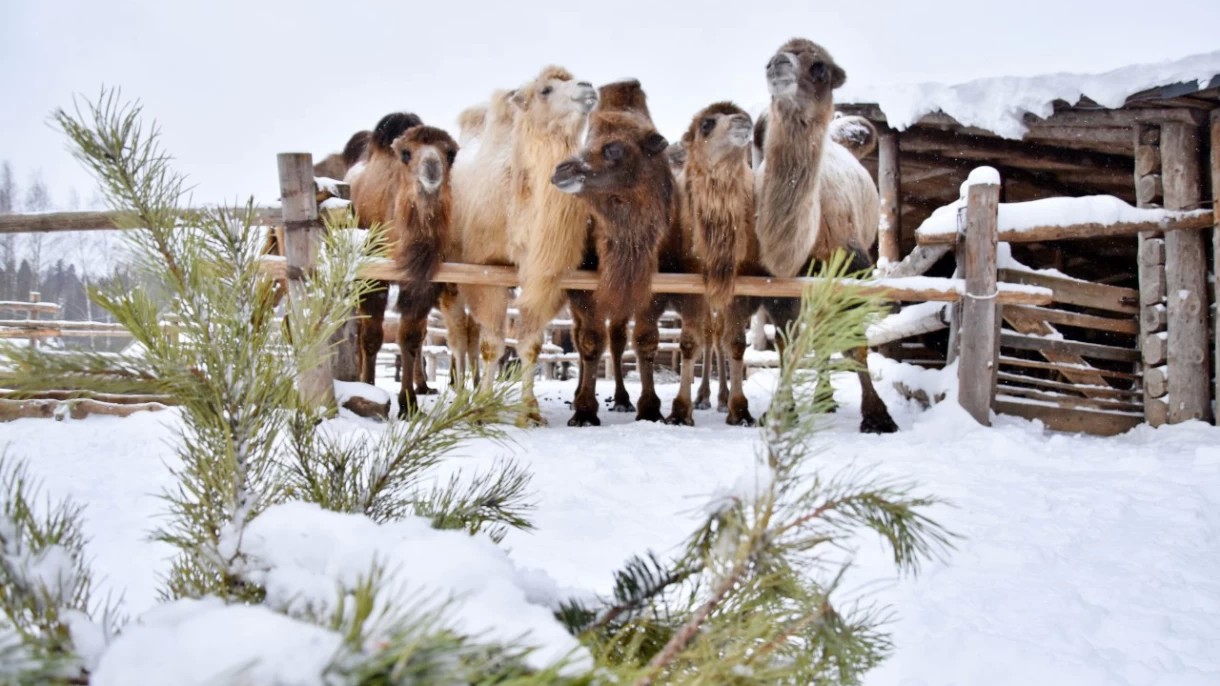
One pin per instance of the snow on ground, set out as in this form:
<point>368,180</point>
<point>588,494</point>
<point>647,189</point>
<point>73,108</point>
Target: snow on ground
<point>999,104</point>
<point>1083,560</point>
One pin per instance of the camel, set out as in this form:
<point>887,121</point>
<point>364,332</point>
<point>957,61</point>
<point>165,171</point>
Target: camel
<point>853,132</point>
<point>544,229</point>
<point>625,175</point>
<point>422,206</point>
<point>336,165</point>
<point>719,195</point>
<point>814,197</point>
<point>373,193</point>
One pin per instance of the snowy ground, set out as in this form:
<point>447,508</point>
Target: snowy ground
<point>1084,560</point>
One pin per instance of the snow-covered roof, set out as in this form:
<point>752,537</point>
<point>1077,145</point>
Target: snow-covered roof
<point>1000,104</point>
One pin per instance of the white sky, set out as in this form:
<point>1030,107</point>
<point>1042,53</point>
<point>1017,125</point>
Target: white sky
<point>233,83</point>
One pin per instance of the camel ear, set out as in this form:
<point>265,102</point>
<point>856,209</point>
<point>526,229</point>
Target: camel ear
<point>518,98</point>
<point>838,77</point>
<point>654,144</point>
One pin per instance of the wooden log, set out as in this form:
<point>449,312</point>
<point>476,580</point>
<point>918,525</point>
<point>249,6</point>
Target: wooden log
<point>921,289</point>
<point>52,222</point>
<point>1065,369</point>
<point>1186,280</point>
<point>1097,350</point>
<point>1154,348</point>
<point>889,330</point>
<point>918,262</point>
<point>1147,159</point>
<point>1186,222</point>
<point>1064,400</point>
<point>1083,293</point>
<point>29,308</point>
<point>1094,391</point>
<point>1152,286</point>
<point>980,325</point>
<point>1151,250</point>
<point>1154,318</point>
<point>1150,186</point>
<point>1156,381</point>
<point>889,181</point>
<point>79,409</point>
<point>1215,176</point>
<point>1071,420</point>
<point>300,214</point>
<point>115,398</point>
<point>1076,319</point>
<point>23,409</point>
<point>1156,411</point>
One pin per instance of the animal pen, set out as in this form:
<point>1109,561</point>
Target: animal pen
<point>1090,314</point>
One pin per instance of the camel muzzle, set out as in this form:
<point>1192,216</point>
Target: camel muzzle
<point>431,175</point>
<point>781,75</point>
<point>569,177</point>
<point>586,98</point>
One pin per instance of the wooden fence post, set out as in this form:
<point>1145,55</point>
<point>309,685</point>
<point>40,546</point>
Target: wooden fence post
<point>1185,279</point>
<point>979,336</point>
<point>300,213</point>
<point>1151,266</point>
<point>889,181</point>
<point>1215,174</point>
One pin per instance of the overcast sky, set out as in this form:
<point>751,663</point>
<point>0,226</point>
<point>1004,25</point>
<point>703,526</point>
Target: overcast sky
<point>233,83</point>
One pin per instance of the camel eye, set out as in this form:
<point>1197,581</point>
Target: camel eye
<point>706,126</point>
<point>547,90</point>
<point>406,156</point>
<point>613,152</point>
<point>451,155</point>
<point>819,71</point>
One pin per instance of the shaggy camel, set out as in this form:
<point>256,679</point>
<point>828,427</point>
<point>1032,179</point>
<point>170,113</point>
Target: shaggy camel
<point>545,228</point>
<point>625,174</point>
<point>373,193</point>
<point>336,165</point>
<point>419,229</point>
<point>481,194</point>
<point>719,194</point>
<point>814,197</point>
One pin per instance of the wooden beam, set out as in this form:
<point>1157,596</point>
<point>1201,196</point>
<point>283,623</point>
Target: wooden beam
<point>1082,293</point>
<point>1215,176</point>
<point>29,308</point>
<point>1184,222</point>
<point>1076,319</point>
<point>980,325</point>
<point>1102,352</point>
<point>1071,420</point>
<point>916,289</point>
<point>1185,279</point>
<point>1150,258</point>
<point>1096,391</point>
<point>1024,154</point>
<point>52,222</point>
<point>1064,400</point>
<point>889,180</point>
<point>1065,369</point>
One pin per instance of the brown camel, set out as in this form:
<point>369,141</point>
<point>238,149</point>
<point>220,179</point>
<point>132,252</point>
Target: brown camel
<point>419,227</point>
<point>336,165</point>
<point>814,197</point>
<point>719,193</point>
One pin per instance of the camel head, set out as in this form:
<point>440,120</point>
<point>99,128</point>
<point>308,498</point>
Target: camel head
<point>803,71</point>
<point>718,133</point>
<point>390,127</point>
<point>428,154</point>
<point>623,96</point>
<point>614,157</point>
<point>555,97</point>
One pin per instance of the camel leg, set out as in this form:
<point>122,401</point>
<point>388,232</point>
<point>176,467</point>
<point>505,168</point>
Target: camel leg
<point>647,340</point>
<point>734,343</point>
<point>618,344</point>
<point>454,311</point>
<point>590,341</point>
<point>489,307</point>
<point>421,373</point>
<point>472,350</point>
<point>703,397</point>
<point>689,346</point>
<point>372,310</point>
<point>722,374</point>
<point>876,417</point>
<point>409,342</point>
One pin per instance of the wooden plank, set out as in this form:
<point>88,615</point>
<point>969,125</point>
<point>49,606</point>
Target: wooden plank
<point>1066,368</point>
<point>1095,391</point>
<point>52,222</point>
<point>1215,177</point>
<point>921,289</point>
<point>29,308</point>
<point>1185,279</point>
<point>1026,323</point>
<point>1070,420</point>
<point>889,183</point>
<point>1101,352</point>
<point>976,370</point>
<point>300,214</point>
<point>1083,321</point>
<point>1186,222</point>
<point>1083,293</point>
<point>1064,400</point>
